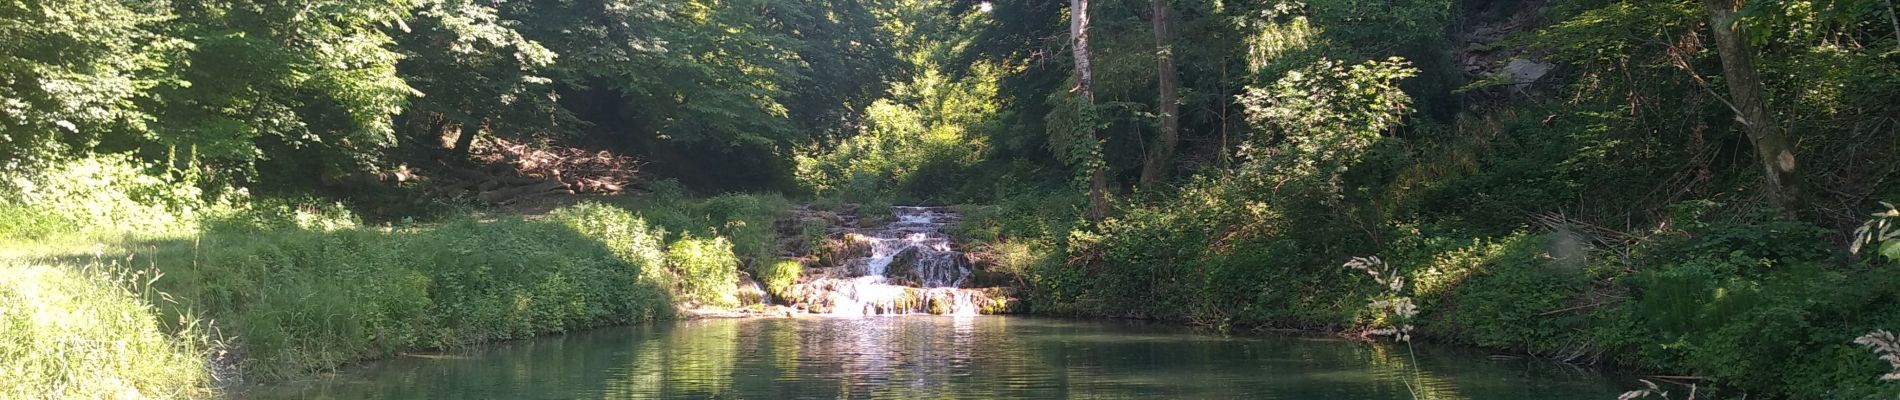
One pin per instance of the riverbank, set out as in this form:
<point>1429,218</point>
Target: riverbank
<point>1749,304</point>
<point>269,293</point>
<point>263,292</point>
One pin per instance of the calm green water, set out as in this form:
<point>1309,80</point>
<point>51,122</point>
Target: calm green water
<point>943,357</point>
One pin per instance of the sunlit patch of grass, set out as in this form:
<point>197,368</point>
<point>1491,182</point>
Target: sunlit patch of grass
<point>83,333</point>
<point>297,286</point>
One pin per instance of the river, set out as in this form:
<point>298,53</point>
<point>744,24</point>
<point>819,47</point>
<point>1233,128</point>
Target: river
<point>923,356</point>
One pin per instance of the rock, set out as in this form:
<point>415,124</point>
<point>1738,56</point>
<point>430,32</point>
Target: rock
<point>848,247</point>
<point>1523,71</point>
<point>750,293</point>
<point>917,266</point>
<point>903,269</point>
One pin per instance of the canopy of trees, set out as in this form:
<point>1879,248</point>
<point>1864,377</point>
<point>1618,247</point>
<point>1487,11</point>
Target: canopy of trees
<point>285,94</point>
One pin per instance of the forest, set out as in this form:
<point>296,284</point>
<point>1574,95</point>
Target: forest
<point>197,193</point>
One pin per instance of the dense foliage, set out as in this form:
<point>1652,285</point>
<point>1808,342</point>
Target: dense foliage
<point>1573,183</point>
<point>317,96</point>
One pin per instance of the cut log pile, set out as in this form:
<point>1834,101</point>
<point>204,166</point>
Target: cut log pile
<point>508,172</point>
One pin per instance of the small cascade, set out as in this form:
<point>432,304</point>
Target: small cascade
<point>905,267</point>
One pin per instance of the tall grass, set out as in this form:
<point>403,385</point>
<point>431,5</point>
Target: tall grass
<point>296,286</point>
<point>69,333</point>
<point>303,299</point>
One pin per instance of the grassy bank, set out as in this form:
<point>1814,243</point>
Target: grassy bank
<point>287,288</point>
<point>87,333</point>
<point>297,299</point>
<point>1751,303</point>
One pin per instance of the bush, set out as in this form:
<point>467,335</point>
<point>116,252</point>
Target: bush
<point>922,154</point>
<point>708,271</point>
<point>98,196</point>
<point>620,231</point>
<point>1506,294</point>
<point>304,286</point>
<point>749,221</point>
<point>779,276</point>
<point>301,298</point>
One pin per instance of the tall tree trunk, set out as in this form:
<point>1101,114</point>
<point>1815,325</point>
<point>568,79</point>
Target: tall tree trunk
<point>466,139</point>
<point>1085,87</point>
<point>438,132</point>
<point>1893,19</point>
<point>1159,162</point>
<point>1746,94</point>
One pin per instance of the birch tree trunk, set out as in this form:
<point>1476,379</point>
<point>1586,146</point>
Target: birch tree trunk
<point>1085,87</point>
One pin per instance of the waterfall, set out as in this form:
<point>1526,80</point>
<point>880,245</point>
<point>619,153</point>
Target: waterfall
<point>911,268</point>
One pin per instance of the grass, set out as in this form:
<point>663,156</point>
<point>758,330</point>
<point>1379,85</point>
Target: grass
<point>297,289</point>
<point>302,300</point>
<point>296,286</point>
<point>68,333</point>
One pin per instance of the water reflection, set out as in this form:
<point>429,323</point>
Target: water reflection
<point>944,357</point>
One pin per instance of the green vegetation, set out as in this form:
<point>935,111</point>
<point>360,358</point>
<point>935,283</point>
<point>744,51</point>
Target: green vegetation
<point>1674,186</point>
<point>294,288</point>
<point>309,299</point>
<point>779,276</point>
<point>1610,209</point>
<point>65,333</point>
<point>706,268</point>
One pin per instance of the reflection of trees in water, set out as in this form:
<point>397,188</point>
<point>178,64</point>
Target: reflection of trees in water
<point>694,358</point>
<point>1394,365</point>
<point>784,348</point>
<point>939,357</point>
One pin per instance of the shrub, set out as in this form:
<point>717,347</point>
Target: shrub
<point>1506,294</point>
<point>307,298</point>
<point>620,231</point>
<point>905,149</point>
<point>749,221</point>
<point>779,276</point>
<point>98,196</point>
<point>707,268</point>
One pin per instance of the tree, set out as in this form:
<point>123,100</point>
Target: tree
<point>472,69</point>
<point>1085,89</point>
<point>1315,123</point>
<point>302,91</point>
<point>75,73</point>
<point>1751,109</point>
<point>1157,165</point>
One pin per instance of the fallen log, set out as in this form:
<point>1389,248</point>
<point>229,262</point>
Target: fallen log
<point>498,195</point>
